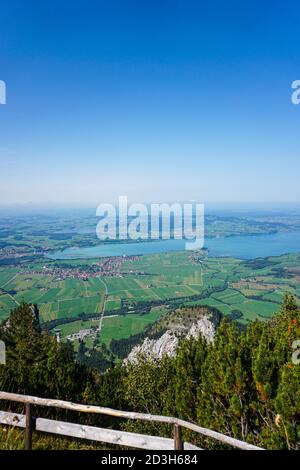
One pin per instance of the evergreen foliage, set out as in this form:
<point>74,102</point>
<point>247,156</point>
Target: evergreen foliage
<point>244,384</point>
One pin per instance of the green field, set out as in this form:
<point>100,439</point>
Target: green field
<point>75,326</point>
<point>125,326</point>
<point>251,289</point>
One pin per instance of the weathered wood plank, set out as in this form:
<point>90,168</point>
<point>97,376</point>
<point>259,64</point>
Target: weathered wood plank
<point>218,436</point>
<point>12,419</point>
<point>128,415</point>
<point>109,436</point>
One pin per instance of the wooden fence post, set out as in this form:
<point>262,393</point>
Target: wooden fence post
<point>178,442</point>
<point>29,428</point>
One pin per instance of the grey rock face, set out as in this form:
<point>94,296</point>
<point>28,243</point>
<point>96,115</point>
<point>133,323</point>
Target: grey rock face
<point>167,344</point>
<point>203,327</point>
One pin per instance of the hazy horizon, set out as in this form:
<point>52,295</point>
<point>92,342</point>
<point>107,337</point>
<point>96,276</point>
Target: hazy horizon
<point>210,207</point>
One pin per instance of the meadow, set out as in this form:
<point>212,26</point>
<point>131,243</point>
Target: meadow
<point>245,290</point>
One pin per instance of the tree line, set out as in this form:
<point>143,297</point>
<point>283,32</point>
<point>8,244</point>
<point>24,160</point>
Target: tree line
<point>244,385</point>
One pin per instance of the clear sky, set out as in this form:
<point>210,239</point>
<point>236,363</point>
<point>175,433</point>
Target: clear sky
<point>157,100</point>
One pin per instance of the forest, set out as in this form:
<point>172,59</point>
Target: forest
<point>245,384</point>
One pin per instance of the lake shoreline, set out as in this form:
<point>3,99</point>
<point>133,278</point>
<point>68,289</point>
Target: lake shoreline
<point>246,246</point>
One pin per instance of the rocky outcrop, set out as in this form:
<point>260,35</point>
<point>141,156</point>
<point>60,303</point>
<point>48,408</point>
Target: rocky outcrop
<point>205,327</point>
<point>167,344</point>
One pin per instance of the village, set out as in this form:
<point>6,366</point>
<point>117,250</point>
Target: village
<point>105,267</point>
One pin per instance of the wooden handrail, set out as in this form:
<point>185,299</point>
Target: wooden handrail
<point>175,422</point>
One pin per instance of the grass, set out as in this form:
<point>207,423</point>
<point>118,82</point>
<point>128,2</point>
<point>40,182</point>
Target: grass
<point>13,439</point>
<point>74,327</point>
<point>125,326</point>
<point>225,283</point>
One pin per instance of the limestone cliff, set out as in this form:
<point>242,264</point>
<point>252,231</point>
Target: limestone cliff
<point>167,343</point>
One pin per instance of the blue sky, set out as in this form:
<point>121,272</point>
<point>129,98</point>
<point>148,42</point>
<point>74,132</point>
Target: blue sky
<point>156,100</point>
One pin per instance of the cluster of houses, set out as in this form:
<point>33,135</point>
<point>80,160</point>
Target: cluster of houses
<point>110,267</point>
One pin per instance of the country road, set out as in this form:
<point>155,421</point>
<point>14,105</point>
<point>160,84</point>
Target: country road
<point>6,292</point>
<point>104,304</point>
<point>9,280</point>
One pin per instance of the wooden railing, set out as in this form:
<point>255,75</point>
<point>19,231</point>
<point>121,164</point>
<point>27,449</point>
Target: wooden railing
<point>109,436</point>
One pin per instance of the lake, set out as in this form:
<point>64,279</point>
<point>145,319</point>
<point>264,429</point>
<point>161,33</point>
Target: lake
<point>240,246</point>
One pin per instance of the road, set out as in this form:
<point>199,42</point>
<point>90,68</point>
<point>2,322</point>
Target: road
<point>104,304</point>
<point>7,293</point>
